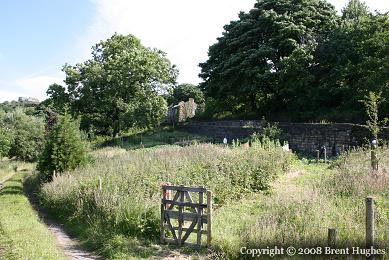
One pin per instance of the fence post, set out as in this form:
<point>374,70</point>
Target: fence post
<point>199,214</point>
<point>209,218</point>
<point>162,222</point>
<point>373,158</point>
<point>180,217</point>
<point>331,237</point>
<point>325,154</point>
<point>374,161</point>
<point>317,156</point>
<point>369,222</point>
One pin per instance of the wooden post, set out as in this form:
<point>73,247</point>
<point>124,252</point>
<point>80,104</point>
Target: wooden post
<point>209,218</point>
<point>317,156</point>
<point>369,222</point>
<point>331,237</point>
<point>180,217</point>
<point>374,160</point>
<point>199,214</point>
<point>325,154</point>
<point>162,222</point>
<point>100,184</point>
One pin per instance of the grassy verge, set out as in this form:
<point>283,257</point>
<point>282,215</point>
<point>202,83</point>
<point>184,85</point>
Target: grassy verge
<point>22,235</point>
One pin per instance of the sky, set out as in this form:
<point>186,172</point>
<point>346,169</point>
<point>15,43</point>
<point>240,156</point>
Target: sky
<point>38,37</point>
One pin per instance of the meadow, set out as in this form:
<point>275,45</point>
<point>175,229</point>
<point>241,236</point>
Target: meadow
<point>263,196</point>
<point>128,204</point>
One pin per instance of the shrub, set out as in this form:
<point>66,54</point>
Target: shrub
<point>64,150</point>
<point>5,141</point>
<point>28,135</point>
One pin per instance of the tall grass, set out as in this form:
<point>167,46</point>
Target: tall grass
<point>302,208</point>
<point>128,204</point>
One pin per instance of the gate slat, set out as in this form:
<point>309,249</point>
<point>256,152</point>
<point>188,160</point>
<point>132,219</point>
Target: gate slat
<point>199,213</point>
<point>195,213</point>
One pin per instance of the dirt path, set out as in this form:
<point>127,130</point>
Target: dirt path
<point>71,247</point>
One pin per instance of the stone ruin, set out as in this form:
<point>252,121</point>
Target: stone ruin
<point>182,112</point>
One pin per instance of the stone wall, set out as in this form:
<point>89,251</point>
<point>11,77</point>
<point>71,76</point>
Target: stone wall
<point>302,137</point>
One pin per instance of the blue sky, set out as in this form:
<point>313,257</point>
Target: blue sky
<point>38,37</point>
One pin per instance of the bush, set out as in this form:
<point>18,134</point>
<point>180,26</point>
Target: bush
<point>5,141</point>
<point>28,135</point>
<point>64,150</point>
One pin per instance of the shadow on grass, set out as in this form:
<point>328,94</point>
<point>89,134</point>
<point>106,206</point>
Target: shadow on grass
<point>11,190</point>
<point>157,137</point>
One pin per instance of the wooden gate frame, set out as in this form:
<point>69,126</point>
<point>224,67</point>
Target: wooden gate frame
<point>183,199</point>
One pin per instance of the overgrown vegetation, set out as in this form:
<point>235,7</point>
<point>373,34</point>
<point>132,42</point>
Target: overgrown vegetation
<point>128,204</point>
<point>305,203</point>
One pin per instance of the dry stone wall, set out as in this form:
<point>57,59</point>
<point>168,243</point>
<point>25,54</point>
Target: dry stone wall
<point>302,137</point>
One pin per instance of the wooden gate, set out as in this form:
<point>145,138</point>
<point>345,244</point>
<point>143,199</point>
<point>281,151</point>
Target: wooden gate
<point>183,214</point>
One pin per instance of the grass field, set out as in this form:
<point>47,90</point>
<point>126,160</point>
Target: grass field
<point>264,197</point>
<point>127,208</point>
<point>301,210</point>
<point>22,235</point>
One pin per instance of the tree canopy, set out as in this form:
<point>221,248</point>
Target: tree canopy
<point>183,92</point>
<point>299,60</point>
<point>122,78</point>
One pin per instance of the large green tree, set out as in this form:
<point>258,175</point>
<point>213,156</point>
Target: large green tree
<point>111,84</point>
<point>264,59</point>
<point>353,62</point>
<point>183,92</point>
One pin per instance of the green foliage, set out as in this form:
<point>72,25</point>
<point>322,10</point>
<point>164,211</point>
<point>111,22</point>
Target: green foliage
<point>5,141</point>
<point>371,103</point>
<point>128,204</point>
<point>355,9</point>
<point>260,57</point>
<point>297,60</point>
<point>145,112</point>
<point>121,78</point>
<point>26,133</point>
<point>183,92</point>
<point>64,149</point>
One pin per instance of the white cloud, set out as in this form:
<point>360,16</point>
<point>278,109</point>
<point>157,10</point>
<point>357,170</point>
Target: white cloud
<point>183,29</point>
<point>34,86</point>
<point>6,95</point>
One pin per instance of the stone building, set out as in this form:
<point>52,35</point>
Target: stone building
<point>181,112</point>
